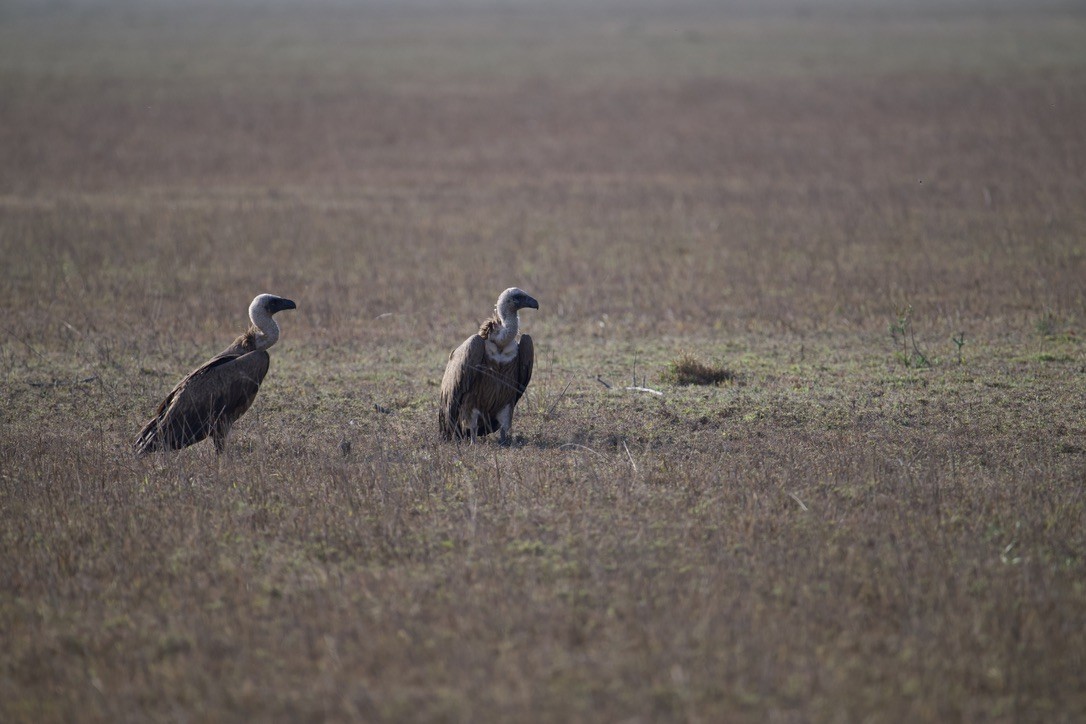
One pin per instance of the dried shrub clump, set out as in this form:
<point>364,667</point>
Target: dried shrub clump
<point>689,370</point>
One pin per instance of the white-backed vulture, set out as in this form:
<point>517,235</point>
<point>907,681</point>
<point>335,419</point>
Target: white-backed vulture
<point>487,374</point>
<point>212,397</point>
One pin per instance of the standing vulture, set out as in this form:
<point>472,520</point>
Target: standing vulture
<point>211,398</point>
<point>487,374</point>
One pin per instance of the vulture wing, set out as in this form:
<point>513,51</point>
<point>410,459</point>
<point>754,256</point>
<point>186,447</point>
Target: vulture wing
<point>461,375</point>
<point>525,358</point>
<point>211,397</point>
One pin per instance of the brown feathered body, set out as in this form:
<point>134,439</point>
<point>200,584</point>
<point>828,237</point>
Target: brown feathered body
<point>209,400</point>
<point>483,381</point>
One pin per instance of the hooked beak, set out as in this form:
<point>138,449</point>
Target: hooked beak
<point>529,303</point>
<point>283,303</point>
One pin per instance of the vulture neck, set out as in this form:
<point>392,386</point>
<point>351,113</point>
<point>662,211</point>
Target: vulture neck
<point>267,329</point>
<point>507,332</point>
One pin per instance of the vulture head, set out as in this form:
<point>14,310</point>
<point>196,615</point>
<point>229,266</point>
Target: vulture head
<point>260,313</point>
<point>513,300</point>
<point>270,304</point>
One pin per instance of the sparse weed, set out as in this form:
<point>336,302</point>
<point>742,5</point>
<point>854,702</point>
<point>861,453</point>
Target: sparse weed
<point>901,332</point>
<point>959,342</point>
<point>1047,324</point>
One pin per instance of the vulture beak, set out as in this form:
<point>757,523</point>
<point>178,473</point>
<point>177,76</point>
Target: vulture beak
<point>529,303</point>
<point>280,304</point>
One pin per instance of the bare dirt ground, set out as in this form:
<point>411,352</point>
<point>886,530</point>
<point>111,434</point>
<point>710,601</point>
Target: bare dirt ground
<point>868,521</point>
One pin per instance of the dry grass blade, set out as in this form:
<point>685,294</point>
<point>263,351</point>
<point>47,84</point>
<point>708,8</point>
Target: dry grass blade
<point>554,405</point>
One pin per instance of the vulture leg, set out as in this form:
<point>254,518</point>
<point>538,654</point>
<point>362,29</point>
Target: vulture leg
<point>505,420</point>
<point>474,429</point>
<point>218,436</point>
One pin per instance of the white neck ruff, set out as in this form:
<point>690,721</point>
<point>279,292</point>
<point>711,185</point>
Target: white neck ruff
<point>501,345</point>
<point>269,328</point>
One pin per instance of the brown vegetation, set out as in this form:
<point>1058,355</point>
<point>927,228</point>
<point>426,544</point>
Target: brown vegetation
<point>687,369</point>
<point>845,536</point>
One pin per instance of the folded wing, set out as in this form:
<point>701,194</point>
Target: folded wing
<point>205,403</point>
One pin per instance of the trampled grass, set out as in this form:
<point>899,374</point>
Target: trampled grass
<point>833,535</point>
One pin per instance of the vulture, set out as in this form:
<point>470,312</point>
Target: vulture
<point>212,397</point>
<point>487,374</point>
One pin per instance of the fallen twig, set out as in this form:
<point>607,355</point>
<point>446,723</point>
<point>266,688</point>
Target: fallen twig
<point>644,389</point>
<point>570,445</point>
<point>630,456</point>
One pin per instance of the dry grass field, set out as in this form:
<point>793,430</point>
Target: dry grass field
<point>862,520</point>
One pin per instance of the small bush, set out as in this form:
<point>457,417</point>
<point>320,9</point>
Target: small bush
<point>689,370</point>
